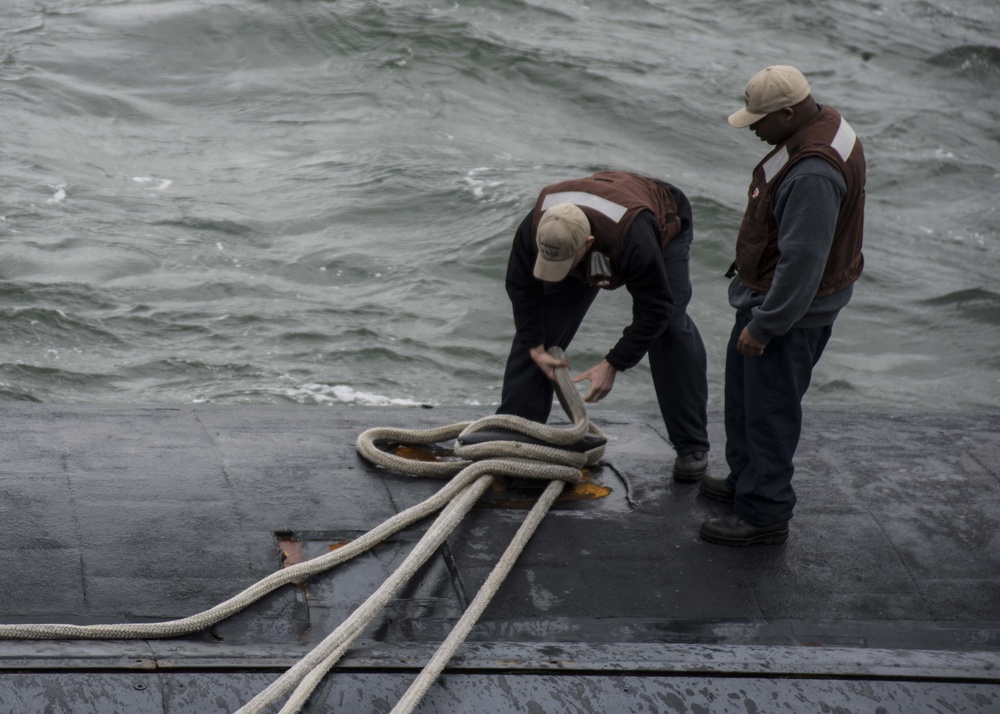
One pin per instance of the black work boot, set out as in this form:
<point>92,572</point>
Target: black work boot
<point>691,467</point>
<point>733,530</point>
<point>717,489</point>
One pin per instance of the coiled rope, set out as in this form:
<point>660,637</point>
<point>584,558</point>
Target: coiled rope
<point>471,476</point>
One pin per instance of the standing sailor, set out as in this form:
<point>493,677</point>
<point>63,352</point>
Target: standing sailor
<point>798,254</point>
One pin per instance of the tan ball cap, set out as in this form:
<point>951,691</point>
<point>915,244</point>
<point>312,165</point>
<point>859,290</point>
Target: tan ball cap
<point>768,91</point>
<point>563,229</point>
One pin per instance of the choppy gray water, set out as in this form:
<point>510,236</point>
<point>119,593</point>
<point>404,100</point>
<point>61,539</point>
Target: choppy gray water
<point>310,202</point>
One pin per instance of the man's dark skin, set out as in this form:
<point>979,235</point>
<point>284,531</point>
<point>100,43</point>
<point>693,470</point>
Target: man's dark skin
<point>776,128</point>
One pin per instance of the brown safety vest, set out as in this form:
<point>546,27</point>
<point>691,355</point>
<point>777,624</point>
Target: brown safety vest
<point>611,200</point>
<point>827,135</point>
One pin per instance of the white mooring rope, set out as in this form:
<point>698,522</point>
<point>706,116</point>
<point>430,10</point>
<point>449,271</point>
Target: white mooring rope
<point>470,478</point>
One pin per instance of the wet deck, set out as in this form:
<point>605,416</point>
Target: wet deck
<point>885,598</point>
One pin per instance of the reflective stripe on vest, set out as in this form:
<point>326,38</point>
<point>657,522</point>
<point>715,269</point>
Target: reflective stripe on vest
<point>612,210</point>
<point>843,143</point>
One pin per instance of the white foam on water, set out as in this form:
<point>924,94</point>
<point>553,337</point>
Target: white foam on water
<point>480,186</point>
<point>342,394</point>
<point>153,183</point>
<point>60,193</point>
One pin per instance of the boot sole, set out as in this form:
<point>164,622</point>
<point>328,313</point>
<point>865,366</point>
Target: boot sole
<point>762,539</point>
<point>688,477</point>
<point>720,496</point>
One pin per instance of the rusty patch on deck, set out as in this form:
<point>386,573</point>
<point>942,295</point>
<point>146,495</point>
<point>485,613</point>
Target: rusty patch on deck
<point>522,493</point>
<point>292,553</point>
<point>421,453</point>
<point>586,491</point>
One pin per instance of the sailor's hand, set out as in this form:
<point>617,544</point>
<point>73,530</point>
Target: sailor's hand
<point>546,362</point>
<point>748,345</point>
<point>601,378</point>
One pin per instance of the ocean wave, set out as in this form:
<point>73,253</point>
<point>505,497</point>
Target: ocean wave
<point>977,63</point>
<point>976,304</point>
<point>340,394</point>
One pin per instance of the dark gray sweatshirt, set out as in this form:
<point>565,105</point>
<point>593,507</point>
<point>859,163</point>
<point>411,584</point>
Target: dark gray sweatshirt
<point>806,206</point>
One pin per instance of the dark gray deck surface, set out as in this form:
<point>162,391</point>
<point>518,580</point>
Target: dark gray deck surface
<point>886,597</point>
